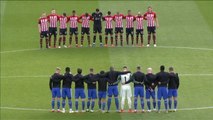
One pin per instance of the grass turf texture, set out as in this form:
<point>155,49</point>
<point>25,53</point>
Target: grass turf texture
<point>182,24</point>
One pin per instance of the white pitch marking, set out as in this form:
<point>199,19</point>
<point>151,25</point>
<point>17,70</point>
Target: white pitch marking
<point>35,109</point>
<point>45,76</point>
<point>169,47</point>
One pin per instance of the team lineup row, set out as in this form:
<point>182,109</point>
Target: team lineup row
<point>48,27</point>
<point>167,87</point>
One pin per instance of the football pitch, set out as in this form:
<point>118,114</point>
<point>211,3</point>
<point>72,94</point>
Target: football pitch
<point>184,39</point>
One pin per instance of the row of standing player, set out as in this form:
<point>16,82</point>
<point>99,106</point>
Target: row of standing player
<point>168,84</point>
<point>48,27</point>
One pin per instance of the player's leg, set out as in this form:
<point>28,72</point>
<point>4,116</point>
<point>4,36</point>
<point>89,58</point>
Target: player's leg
<point>148,100</point>
<point>76,36</point>
<point>141,36</point>
<point>64,94</point>
<point>123,96</point>
<point>132,36</point>
<point>127,36</point>
<point>116,37</point>
<point>77,95</point>
<point>142,98</point>
<point>165,97</point>
<point>103,101</point>
<point>115,93</point>
<point>129,96</point>
<point>170,99</point>
<point>111,37</point>
<point>82,94</point>
<point>41,39</point>
<point>136,98</point>
<point>70,39</point>
<point>94,35</point>
<point>64,37</point>
<point>175,94</point>
<point>153,100</point>
<point>88,37</point>
<point>154,36</point>
<point>69,96</point>
<point>82,36</point>
<point>58,99</point>
<point>54,93</point>
<point>149,36</point>
<point>106,37</point>
<point>89,99</point>
<point>55,36</point>
<point>109,97</point>
<point>46,39</point>
<point>60,39</point>
<point>121,36</point>
<point>137,37</point>
<point>50,36</point>
<point>99,99</point>
<point>159,95</point>
<point>100,36</point>
<point>94,96</point>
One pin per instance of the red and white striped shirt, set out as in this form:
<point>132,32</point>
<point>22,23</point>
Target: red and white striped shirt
<point>85,20</point>
<point>43,22</point>
<point>150,17</point>
<point>139,22</point>
<point>130,21</point>
<point>118,20</point>
<point>53,19</point>
<point>73,21</point>
<point>108,20</point>
<point>63,22</point>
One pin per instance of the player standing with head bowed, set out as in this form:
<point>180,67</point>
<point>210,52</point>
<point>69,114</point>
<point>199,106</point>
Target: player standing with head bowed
<point>43,29</point>
<point>63,29</point>
<point>118,18</point>
<point>139,29</point>
<point>130,27</point>
<point>73,28</point>
<point>152,23</point>
<point>108,28</point>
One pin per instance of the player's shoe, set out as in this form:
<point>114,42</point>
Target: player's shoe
<point>58,110</point>
<point>87,110</point>
<point>112,45</point>
<point>101,44</point>
<point>155,45</point>
<point>65,46</point>
<point>81,46</point>
<point>175,110</point>
<point>118,111</point>
<point>158,111</point>
<point>71,111</point>
<point>147,45</point>
<point>83,111</point>
<point>63,110</point>
<point>130,111</point>
<point>53,110</point>
<point>122,111</point>
<point>154,110</point>
<point>135,111</point>
<point>92,111</point>
<point>93,45</point>
<point>105,45</point>
<point>170,110</point>
<point>149,111</point>
<point>59,46</point>
<point>76,111</point>
<point>89,45</point>
<point>143,111</point>
<point>103,111</point>
<point>142,45</point>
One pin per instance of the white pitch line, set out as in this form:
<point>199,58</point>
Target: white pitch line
<point>169,47</point>
<point>35,109</point>
<point>46,76</point>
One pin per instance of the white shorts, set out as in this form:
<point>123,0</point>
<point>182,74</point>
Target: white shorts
<point>126,91</point>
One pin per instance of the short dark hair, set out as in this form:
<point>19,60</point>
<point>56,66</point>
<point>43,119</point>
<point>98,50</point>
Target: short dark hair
<point>67,69</point>
<point>79,70</point>
<point>111,68</point>
<point>149,6</point>
<point>171,69</point>
<point>124,66</point>
<point>129,10</point>
<point>102,72</point>
<point>64,14</point>
<point>138,67</point>
<point>162,67</point>
<point>97,10</point>
<point>86,14</point>
<point>109,13</point>
<point>91,69</point>
<point>73,11</point>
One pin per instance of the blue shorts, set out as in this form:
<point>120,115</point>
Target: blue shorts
<point>92,93</point>
<point>172,93</point>
<point>162,92</point>
<point>66,92</point>
<point>113,90</point>
<point>101,94</point>
<point>56,93</point>
<point>79,92</point>
<point>149,94</point>
<point>139,91</point>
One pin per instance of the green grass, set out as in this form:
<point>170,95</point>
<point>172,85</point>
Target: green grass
<point>182,24</point>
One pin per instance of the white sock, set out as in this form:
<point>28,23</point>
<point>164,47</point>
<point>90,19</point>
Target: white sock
<point>122,102</point>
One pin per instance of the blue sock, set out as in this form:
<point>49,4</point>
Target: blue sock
<point>159,102</point>
<point>76,105</point>
<point>93,104</point>
<point>165,104</point>
<point>109,103</point>
<point>154,104</point>
<point>58,104</point>
<point>103,105</point>
<point>70,103</point>
<point>175,104</point>
<point>170,104</point>
<point>135,103</point>
<point>83,105</point>
<point>53,104</point>
<point>63,103</point>
<point>99,103</point>
<point>117,103</point>
<point>148,105</point>
<point>142,103</point>
<point>88,104</point>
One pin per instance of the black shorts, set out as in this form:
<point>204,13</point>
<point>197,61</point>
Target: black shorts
<point>118,30</point>
<point>63,31</point>
<point>129,31</point>
<point>139,31</point>
<point>151,30</point>
<point>97,29</point>
<point>52,31</point>
<point>44,34</point>
<point>85,30</point>
<point>73,31</point>
<point>108,31</point>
